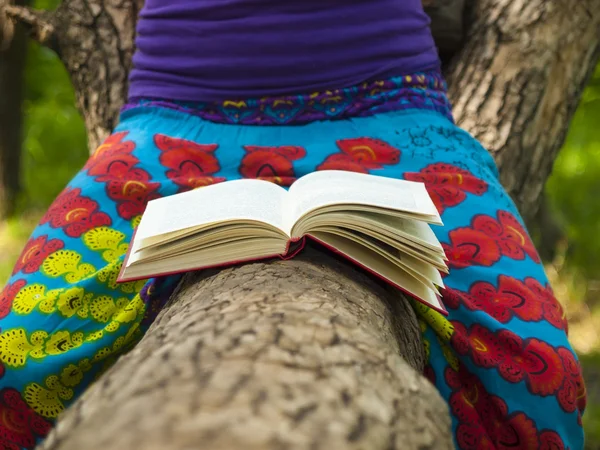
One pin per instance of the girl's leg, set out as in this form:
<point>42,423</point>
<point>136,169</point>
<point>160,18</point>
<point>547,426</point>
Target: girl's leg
<point>501,358</point>
<point>63,317</point>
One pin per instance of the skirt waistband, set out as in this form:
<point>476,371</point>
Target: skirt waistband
<point>424,91</point>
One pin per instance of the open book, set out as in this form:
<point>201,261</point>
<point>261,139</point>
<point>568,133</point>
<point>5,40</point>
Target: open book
<point>381,224</point>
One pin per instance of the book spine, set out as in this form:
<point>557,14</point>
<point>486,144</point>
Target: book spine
<point>294,246</point>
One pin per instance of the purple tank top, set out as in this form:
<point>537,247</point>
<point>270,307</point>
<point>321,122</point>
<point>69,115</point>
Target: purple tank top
<point>214,50</point>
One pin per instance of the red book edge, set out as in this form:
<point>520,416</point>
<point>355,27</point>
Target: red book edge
<point>290,252</point>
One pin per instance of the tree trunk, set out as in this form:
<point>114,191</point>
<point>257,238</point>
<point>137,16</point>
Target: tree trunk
<point>517,81</point>
<point>301,354</point>
<point>95,41</point>
<point>308,353</point>
<point>13,52</point>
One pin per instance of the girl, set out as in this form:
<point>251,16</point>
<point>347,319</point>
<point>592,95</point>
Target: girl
<point>223,89</point>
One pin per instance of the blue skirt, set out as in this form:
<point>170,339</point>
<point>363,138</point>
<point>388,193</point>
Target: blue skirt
<point>500,358</point>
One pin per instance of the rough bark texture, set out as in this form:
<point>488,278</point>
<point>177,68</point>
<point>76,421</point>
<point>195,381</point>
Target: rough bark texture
<point>517,81</point>
<point>95,40</point>
<point>13,51</point>
<point>301,354</point>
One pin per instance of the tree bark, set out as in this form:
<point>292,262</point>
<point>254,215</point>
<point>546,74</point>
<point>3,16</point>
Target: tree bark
<point>307,353</point>
<point>517,81</point>
<point>301,354</point>
<point>13,55</point>
<point>95,41</point>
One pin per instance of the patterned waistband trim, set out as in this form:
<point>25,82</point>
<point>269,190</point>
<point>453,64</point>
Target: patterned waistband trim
<point>425,90</point>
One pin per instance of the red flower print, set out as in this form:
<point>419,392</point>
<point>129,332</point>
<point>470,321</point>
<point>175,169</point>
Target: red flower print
<point>484,421</point>
<point>372,153</point>
<point>128,186</point>
<point>486,240</point>
<point>553,311</point>
<point>112,149</point>
<point>528,301</point>
<point>475,410</point>
<point>460,338</point>
<point>463,406</point>
<point>429,373</point>
<point>511,298</point>
<point>35,252</point>
<point>472,436</point>
<point>550,440</point>
<point>546,370</point>
<point>74,213</point>
<point>447,184</point>
<point>518,431</point>
<point>190,164</point>
<point>117,168</point>
<point>573,394</point>
<point>486,349</point>
<point>341,161</point>
<point>470,247</point>
<point>451,298</point>
<point>361,155</point>
<point>487,225</point>
<point>536,362</point>
<point>20,426</point>
<point>513,240</point>
<point>7,296</point>
<point>133,193</point>
<point>273,164</point>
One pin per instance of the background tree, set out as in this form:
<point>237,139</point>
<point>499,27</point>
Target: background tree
<point>515,85</point>
<point>13,53</point>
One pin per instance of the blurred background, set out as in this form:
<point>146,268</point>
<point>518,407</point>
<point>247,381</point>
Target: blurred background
<point>566,231</point>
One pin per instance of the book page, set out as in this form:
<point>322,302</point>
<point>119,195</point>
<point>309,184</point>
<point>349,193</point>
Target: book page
<point>380,266</point>
<point>249,249</point>
<point>237,200</point>
<point>413,230</point>
<point>418,231</point>
<point>335,187</point>
<point>418,268</point>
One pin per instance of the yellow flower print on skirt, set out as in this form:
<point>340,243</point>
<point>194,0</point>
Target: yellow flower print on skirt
<point>64,319</point>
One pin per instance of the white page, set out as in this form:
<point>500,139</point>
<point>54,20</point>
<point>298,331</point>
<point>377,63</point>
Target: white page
<point>413,230</point>
<point>418,230</point>
<point>248,199</point>
<point>381,266</point>
<point>330,187</point>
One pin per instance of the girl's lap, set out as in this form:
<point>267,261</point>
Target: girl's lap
<point>501,358</point>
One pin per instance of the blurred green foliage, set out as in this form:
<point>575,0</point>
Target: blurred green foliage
<point>574,186</point>
<point>55,145</point>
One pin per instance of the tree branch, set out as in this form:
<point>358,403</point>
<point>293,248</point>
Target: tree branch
<point>6,27</point>
<point>39,24</point>
<point>517,81</point>
<point>309,353</point>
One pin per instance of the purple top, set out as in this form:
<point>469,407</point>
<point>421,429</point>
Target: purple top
<point>214,50</point>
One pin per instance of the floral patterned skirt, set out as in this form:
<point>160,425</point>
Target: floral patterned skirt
<point>500,358</point>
